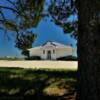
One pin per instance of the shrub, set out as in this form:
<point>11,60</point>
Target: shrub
<point>34,58</point>
<point>68,58</point>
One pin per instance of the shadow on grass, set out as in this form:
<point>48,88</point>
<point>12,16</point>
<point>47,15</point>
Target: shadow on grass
<point>21,84</point>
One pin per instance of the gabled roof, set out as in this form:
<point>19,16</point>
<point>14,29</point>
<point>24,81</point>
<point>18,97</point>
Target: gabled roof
<point>56,44</point>
<point>49,43</point>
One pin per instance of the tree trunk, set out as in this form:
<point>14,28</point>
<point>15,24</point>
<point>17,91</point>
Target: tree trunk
<point>89,50</point>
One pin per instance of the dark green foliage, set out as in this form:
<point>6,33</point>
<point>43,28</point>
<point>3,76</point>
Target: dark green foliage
<point>26,15</point>
<point>61,11</point>
<point>31,11</point>
<point>25,53</point>
<point>34,58</point>
<point>68,58</point>
<point>24,42</point>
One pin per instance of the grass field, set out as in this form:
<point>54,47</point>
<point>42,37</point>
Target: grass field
<point>22,84</point>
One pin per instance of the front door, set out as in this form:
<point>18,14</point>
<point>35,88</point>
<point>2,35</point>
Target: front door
<point>49,55</point>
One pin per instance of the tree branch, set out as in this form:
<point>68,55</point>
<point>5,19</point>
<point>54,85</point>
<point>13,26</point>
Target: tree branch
<point>9,8</point>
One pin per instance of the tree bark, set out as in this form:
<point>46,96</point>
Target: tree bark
<point>88,50</point>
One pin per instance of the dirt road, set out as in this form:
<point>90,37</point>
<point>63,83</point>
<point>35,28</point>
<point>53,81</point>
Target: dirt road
<point>70,65</point>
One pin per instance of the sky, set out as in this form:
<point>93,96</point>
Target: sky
<point>46,31</point>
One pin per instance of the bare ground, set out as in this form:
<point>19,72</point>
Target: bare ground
<point>70,65</point>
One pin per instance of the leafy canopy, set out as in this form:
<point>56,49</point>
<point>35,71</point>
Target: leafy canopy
<point>28,13</point>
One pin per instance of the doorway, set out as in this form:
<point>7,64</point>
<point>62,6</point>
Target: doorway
<point>49,55</point>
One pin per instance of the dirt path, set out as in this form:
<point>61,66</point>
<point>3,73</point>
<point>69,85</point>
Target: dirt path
<point>70,65</point>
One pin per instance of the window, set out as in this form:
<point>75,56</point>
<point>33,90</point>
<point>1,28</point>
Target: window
<point>43,51</point>
<point>53,51</point>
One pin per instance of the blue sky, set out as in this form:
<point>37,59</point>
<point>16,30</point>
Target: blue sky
<point>46,31</point>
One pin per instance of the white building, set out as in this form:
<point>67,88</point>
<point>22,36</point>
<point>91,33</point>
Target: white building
<point>51,50</point>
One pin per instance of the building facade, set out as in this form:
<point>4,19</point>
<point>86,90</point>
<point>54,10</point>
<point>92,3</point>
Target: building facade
<point>51,51</point>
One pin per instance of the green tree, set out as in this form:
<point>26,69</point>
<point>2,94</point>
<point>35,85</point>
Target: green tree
<point>24,42</point>
<point>25,15</point>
